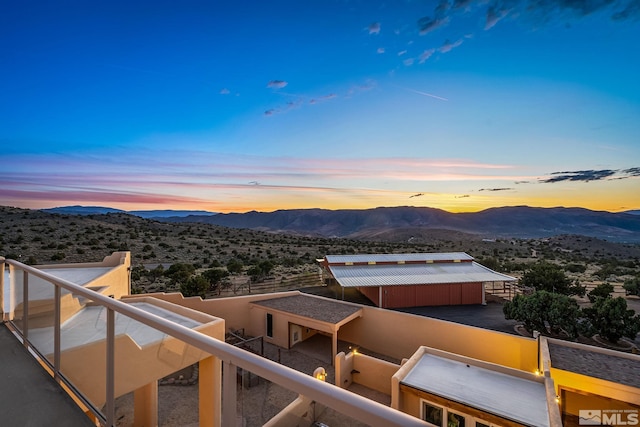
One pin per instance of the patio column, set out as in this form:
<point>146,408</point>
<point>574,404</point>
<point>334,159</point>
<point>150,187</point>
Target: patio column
<point>210,392</point>
<point>145,405</point>
<point>229,388</point>
<point>334,345</point>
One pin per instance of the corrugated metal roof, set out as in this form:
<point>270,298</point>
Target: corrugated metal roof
<point>442,256</point>
<point>415,274</point>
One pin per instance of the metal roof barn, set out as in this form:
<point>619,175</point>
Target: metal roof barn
<point>411,280</point>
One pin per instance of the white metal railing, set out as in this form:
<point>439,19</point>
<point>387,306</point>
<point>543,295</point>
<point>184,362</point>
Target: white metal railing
<point>343,401</point>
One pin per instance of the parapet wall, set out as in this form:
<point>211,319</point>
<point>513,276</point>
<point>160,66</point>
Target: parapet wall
<point>399,335</point>
<point>388,332</point>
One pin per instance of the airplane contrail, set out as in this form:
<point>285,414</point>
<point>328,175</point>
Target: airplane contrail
<point>428,94</point>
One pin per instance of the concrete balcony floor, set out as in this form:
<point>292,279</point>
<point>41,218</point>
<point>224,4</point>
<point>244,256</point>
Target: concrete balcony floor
<point>30,396</point>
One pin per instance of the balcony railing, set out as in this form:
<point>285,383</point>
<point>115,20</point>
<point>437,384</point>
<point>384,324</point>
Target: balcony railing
<point>232,358</point>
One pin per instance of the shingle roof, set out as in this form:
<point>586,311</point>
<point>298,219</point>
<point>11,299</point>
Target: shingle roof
<point>619,369</point>
<point>415,274</point>
<point>312,307</point>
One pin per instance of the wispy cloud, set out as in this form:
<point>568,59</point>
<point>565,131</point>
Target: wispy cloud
<point>448,46</point>
<point>426,55</point>
<point>380,50</point>
<point>494,15</point>
<point>299,101</point>
<point>194,178</point>
<point>533,12</point>
<point>224,91</point>
<point>496,189</point>
<point>287,106</point>
<point>462,4</point>
<point>630,11</point>
<point>277,84</point>
<point>323,98</point>
<point>374,28</point>
<point>427,24</point>
<point>591,175</point>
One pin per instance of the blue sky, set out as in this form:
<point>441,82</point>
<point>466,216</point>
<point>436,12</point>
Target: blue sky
<point>236,106</point>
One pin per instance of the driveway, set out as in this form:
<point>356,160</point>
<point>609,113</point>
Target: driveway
<point>488,316</point>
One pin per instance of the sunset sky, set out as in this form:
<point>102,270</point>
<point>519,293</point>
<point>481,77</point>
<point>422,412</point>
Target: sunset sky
<point>263,105</point>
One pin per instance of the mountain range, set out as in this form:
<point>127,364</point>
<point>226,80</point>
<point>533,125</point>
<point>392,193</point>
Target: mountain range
<point>385,222</point>
<point>101,210</point>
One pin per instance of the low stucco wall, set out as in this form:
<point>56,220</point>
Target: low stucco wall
<point>115,282</point>
<point>373,373</point>
<point>236,311</point>
<point>296,413</point>
<point>400,334</point>
<point>135,366</point>
<point>388,332</point>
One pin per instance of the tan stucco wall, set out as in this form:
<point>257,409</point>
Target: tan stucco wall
<point>575,381</point>
<point>374,373</point>
<point>135,366</point>
<point>410,404</point>
<point>239,313</point>
<point>115,281</point>
<point>571,380</point>
<point>399,335</point>
<point>384,331</point>
<point>236,311</point>
<point>343,366</point>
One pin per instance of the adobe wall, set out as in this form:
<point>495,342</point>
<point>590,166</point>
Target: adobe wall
<point>388,332</point>
<point>236,311</point>
<point>400,334</point>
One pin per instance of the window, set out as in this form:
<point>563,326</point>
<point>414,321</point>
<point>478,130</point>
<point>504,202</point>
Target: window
<point>432,414</point>
<point>436,415</point>
<point>455,420</point>
<point>270,325</point>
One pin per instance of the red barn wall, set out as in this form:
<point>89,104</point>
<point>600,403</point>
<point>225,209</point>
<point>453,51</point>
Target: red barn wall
<point>427,295</point>
<point>371,292</point>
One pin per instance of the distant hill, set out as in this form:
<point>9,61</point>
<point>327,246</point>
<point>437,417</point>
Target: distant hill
<point>82,210</point>
<point>100,210</point>
<point>634,212</point>
<point>516,221</point>
<point>169,213</point>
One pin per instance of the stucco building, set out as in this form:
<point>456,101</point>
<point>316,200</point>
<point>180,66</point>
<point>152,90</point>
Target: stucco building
<point>434,373</point>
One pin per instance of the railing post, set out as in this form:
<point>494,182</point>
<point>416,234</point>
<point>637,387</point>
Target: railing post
<point>110,380</point>
<point>229,393</point>
<point>2,271</point>
<point>56,332</point>
<point>25,308</point>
